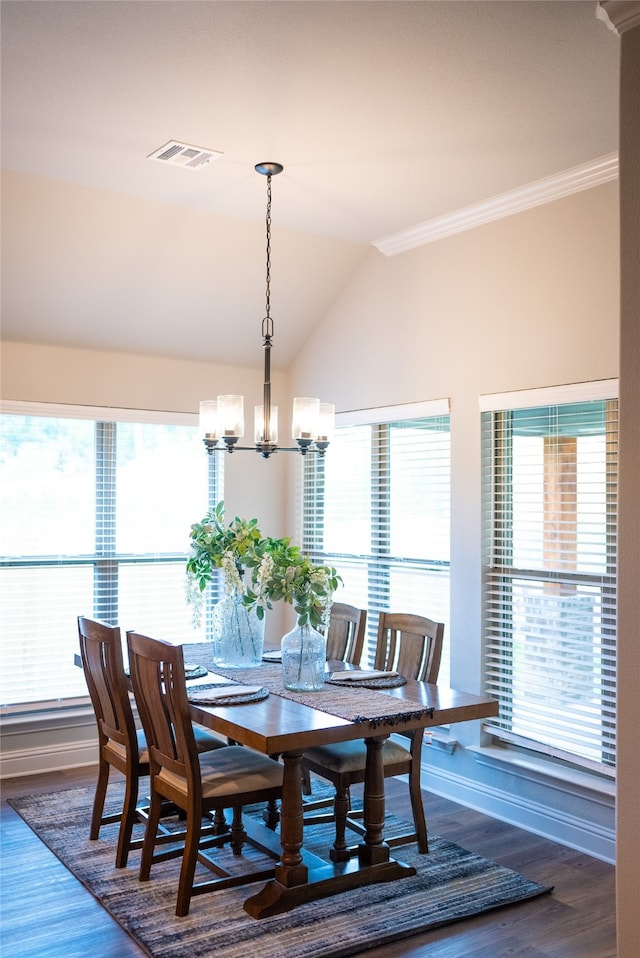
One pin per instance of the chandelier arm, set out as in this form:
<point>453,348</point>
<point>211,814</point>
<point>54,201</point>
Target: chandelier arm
<point>266,449</point>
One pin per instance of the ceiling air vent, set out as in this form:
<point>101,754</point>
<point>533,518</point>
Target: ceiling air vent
<point>174,153</point>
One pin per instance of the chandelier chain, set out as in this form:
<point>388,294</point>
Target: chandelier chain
<point>267,322</point>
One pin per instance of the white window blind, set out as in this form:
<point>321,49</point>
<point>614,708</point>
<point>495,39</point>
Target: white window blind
<point>549,545</point>
<point>96,515</point>
<point>377,508</point>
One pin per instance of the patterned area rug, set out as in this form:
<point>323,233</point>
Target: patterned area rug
<point>450,884</point>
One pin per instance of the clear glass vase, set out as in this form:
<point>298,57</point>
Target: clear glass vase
<point>238,635</point>
<point>304,657</point>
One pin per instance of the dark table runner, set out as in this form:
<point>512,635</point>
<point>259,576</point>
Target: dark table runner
<point>353,704</point>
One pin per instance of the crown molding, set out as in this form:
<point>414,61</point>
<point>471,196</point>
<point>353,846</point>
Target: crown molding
<point>619,15</point>
<point>578,178</point>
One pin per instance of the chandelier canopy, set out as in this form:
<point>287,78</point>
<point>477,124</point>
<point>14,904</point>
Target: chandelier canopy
<point>222,419</point>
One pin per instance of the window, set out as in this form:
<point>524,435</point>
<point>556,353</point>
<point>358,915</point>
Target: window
<point>96,517</point>
<point>549,542</point>
<point>377,508</point>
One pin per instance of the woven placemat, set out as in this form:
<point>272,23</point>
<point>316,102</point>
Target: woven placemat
<point>194,672</point>
<point>231,699</point>
<point>273,655</point>
<point>387,682</point>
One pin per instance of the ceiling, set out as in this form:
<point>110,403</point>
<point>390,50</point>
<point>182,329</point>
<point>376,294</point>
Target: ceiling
<point>385,115</point>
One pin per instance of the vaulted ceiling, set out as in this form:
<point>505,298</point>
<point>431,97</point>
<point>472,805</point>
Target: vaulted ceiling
<point>385,115</point>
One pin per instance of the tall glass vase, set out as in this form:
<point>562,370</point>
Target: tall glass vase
<point>238,635</point>
<point>304,656</point>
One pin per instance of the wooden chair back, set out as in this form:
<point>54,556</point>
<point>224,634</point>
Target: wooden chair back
<point>345,635</point>
<point>410,644</point>
<point>157,674</point>
<point>102,661</point>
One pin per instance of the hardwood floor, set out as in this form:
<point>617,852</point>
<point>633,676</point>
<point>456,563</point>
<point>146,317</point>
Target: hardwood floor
<point>48,914</point>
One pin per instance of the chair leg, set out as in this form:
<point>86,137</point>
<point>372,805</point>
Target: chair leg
<point>128,819</point>
<point>418,809</point>
<point>189,860</point>
<point>342,802</point>
<point>220,824</point>
<point>306,781</point>
<point>238,834</point>
<point>271,814</point>
<point>98,799</point>
<point>155,810</point>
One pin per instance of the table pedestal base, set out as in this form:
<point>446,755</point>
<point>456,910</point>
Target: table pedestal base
<point>275,899</point>
<point>300,877</point>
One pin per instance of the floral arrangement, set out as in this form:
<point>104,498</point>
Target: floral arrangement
<point>278,570</point>
<point>215,545</point>
<point>282,573</point>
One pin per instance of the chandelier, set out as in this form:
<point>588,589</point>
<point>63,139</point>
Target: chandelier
<point>222,419</point>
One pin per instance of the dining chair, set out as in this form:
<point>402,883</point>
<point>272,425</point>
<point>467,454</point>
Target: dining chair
<point>197,783</point>
<point>345,642</point>
<point>345,634</point>
<point>412,646</point>
<point>120,744</point>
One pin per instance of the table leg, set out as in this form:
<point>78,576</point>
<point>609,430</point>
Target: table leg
<point>374,850</point>
<point>290,870</point>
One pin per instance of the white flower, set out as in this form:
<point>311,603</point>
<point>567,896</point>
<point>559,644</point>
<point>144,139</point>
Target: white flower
<point>265,571</point>
<point>194,598</point>
<point>232,579</point>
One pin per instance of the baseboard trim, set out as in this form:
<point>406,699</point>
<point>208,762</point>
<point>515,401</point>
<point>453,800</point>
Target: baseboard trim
<point>584,836</point>
<point>55,758</point>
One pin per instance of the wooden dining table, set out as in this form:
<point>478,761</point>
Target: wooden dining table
<point>286,724</point>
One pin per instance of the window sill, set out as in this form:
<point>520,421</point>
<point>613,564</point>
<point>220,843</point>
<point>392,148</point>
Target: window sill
<point>50,714</point>
<point>442,742</point>
<point>545,771</point>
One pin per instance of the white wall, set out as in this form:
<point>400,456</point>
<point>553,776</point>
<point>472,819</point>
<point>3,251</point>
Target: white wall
<point>526,301</point>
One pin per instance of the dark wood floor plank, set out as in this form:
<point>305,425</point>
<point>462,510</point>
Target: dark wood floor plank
<point>48,914</point>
